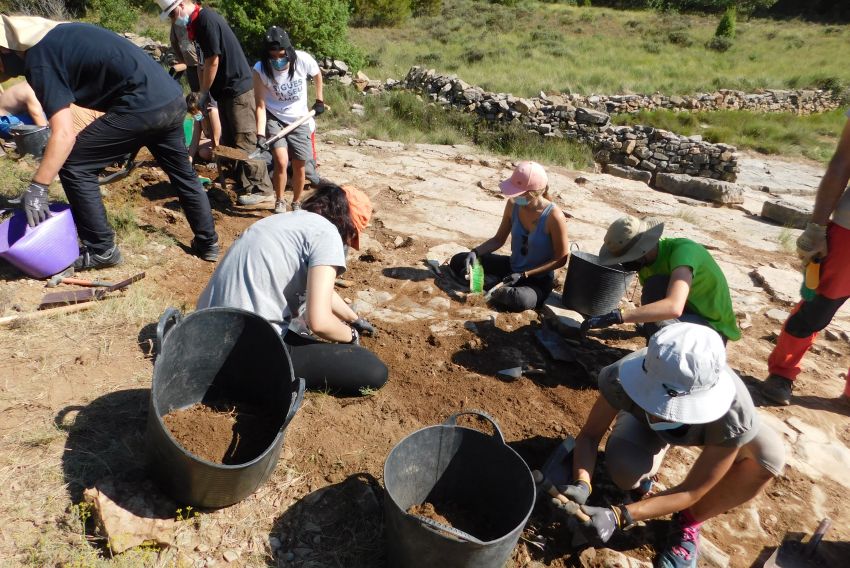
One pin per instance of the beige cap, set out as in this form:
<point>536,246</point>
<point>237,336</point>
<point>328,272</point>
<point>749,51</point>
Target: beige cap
<point>629,238</point>
<point>19,33</point>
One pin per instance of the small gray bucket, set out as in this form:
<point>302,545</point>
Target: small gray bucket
<point>469,469</point>
<point>30,139</point>
<point>592,289</point>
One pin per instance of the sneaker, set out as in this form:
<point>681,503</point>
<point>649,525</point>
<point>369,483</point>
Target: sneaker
<point>207,252</point>
<point>296,206</point>
<point>252,199</point>
<point>280,206</point>
<point>777,389</point>
<point>682,548</point>
<point>89,260</point>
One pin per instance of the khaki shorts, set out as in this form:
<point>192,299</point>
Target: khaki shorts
<point>298,140</point>
<point>634,452</point>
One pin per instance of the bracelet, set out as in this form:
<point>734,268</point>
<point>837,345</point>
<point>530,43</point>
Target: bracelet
<point>626,520</point>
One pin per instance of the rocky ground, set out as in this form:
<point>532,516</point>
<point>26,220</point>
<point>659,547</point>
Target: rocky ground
<point>73,395</point>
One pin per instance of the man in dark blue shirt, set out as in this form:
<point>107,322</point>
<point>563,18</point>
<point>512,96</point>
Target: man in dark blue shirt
<point>95,68</point>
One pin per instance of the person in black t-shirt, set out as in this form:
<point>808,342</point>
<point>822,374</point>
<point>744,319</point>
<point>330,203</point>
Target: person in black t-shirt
<point>227,77</point>
<point>94,68</point>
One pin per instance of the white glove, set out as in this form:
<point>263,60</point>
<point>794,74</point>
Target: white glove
<point>812,243</point>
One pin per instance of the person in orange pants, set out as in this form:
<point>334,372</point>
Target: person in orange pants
<point>828,241</point>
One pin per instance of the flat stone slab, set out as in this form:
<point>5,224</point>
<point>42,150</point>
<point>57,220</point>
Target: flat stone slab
<point>788,214</point>
<point>566,321</point>
<point>628,172</point>
<point>781,284</point>
<point>704,189</point>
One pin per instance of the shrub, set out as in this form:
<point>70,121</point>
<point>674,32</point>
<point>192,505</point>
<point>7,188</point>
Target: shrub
<point>426,7</point>
<point>726,27</point>
<point>380,13</point>
<point>584,3</point>
<point>680,37</point>
<point>319,27</point>
<point>720,44</point>
<point>116,15</point>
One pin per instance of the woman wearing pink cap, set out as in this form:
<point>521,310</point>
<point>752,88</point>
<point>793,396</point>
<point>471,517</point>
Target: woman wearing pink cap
<point>539,243</point>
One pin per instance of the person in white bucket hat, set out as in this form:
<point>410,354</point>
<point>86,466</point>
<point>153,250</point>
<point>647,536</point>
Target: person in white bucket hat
<point>677,391</point>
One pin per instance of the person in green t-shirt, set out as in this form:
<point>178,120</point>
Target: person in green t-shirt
<point>680,279</point>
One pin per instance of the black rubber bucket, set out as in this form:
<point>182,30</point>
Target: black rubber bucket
<point>592,289</point>
<point>30,139</point>
<point>210,355</point>
<point>473,471</point>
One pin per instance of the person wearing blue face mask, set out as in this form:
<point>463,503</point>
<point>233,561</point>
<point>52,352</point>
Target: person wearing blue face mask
<point>539,243</point>
<point>678,391</point>
<point>280,87</point>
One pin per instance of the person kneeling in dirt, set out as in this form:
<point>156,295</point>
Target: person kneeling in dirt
<point>19,105</point>
<point>539,242</point>
<point>282,259</point>
<point>94,68</point>
<point>681,280</point>
<point>678,391</point>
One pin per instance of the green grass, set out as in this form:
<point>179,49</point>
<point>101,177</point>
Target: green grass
<point>554,47</point>
<point>407,118</point>
<point>812,136</point>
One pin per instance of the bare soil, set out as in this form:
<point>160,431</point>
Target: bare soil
<point>222,432</point>
<point>457,516</point>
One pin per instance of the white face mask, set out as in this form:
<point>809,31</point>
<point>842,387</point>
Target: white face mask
<point>660,426</point>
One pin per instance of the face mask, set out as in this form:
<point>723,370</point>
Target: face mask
<point>182,21</point>
<point>660,426</point>
<point>13,65</point>
<point>198,117</point>
<point>520,201</point>
<point>280,64</point>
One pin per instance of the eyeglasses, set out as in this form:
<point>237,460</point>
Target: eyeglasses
<point>524,249</point>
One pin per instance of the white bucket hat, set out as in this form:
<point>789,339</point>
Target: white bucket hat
<point>20,33</point>
<point>683,377</point>
<point>166,6</point>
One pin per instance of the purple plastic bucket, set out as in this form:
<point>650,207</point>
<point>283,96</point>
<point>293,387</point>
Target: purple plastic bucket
<point>40,251</point>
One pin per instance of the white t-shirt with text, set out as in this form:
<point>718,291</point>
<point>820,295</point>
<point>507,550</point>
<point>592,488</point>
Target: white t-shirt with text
<point>287,99</point>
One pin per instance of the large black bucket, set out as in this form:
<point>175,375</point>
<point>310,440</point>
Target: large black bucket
<point>592,289</point>
<point>211,355</point>
<point>30,139</point>
<point>475,472</point>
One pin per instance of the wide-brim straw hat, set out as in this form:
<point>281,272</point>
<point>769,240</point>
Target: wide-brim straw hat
<point>629,238</point>
<point>682,376</point>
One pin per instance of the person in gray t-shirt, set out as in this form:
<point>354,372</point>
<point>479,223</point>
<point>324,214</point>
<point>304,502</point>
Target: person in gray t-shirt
<point>283,268</point>
<point>678,391</point>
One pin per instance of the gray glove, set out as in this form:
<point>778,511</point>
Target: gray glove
<point>604,521</point>
<point>204,102</point>
<point>578,492</point>
<point>470,260</point>
<point>363,327</point>
<point>34,203</point>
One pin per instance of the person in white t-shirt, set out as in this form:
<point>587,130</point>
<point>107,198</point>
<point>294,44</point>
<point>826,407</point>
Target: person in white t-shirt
<point>280,86</point>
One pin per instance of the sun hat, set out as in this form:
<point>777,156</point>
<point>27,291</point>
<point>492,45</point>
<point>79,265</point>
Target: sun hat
<point>360,209</point>
<point>528,176</point>
<point>20,33</point>
<point>167,6</point>
<point>629,238</point>
<point>683,376</point>
<point>276,38</point>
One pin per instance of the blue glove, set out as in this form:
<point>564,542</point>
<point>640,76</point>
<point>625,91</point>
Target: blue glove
<point>34,203</point>
<point>605,320</point>
<point>363,327</point>
<point>319,107</point>
<point>512,279</point>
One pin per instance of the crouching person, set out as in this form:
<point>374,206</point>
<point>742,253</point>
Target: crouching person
<point>677,391</point>
<point>283,268</point>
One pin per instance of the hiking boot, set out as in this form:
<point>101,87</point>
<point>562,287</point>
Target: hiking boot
<point>206,252</point>
<point>89,260</point>
<point>280,206</point>
<point>682,547</point>
<point>777,389</point>
<point>251,199</point>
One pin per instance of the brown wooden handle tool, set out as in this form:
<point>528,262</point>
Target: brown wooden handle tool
<point>570,507</point>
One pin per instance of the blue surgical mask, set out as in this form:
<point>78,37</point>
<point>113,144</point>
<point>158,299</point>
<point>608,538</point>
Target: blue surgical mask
<point>198,117</point>
<point>181,21</point>
<point>661,426</point>
<point>280,64</point>
<point>521,200</point>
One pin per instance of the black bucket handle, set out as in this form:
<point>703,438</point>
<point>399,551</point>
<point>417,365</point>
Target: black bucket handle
<point>297,399</point>
<point>169,319</point>
<point>452,421</point>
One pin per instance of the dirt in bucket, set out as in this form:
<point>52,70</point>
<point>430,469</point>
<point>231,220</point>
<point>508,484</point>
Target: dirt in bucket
<point>224,433</point>
<point>456,516</point>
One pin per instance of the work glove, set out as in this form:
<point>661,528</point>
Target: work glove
<point>319,107</point>
<point>262,143</point>
<point>34,203</point>
<point>471,257</point>
<point>512,279</point>
<point>355,336</point>
<point>603,522</point>
<point>578,492</point>
<point>605,320</point>
<point>363,327</point>
<point>204,101</point>
<point>812,243</point>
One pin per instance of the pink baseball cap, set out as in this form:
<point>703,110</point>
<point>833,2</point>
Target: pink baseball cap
<point>528,176</point>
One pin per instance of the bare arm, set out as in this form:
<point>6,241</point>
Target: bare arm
<point>834,181</point>
<point>260,98</point>
<point>670,307</point>
<point>320,315</point>
<point>557,225</point>
<point>587,443</point>
<point>501,237</point>
<point>59,146</point>
<point>712,464</point>
<point>320,92</point>
<point>210,71</point>
<point>342,310</point>
<point>35,110</point>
